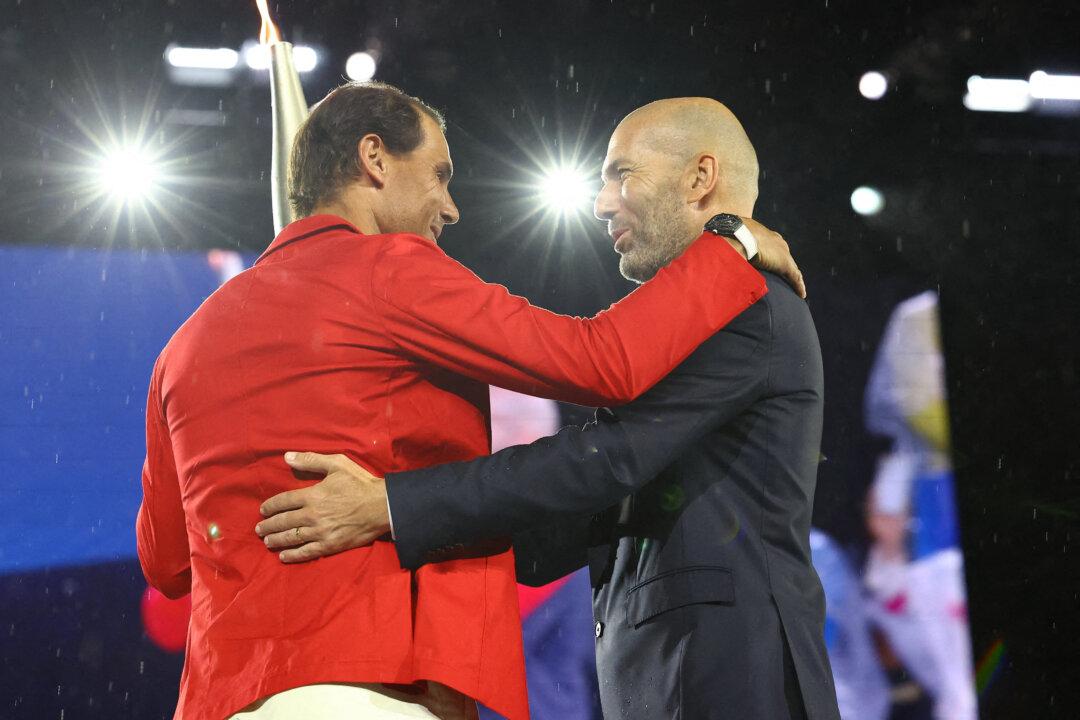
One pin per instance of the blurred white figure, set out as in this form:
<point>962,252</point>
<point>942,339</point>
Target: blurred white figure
<point>862,691</point>
<point>915,569</point>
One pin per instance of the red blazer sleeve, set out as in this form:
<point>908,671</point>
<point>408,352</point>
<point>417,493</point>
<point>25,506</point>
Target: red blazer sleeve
<point>160,532</point>
<point>436,309</point>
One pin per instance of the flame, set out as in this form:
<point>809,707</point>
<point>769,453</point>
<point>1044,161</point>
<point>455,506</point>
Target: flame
<point>268,32</point>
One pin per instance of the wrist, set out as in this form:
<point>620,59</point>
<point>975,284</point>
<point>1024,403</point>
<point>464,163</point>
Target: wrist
<point>385,519</point>
<point>737,246</point>
<point>732,228</point>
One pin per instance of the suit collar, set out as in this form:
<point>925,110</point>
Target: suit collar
<point>306,228</point>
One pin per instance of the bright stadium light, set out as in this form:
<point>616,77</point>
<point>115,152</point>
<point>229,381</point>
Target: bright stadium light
<point>257,57</point>
<point>305,58</point>
<point>128,173</point>
<point>873,85</point>
<point>202,58</point>
<point>866,200</point>
<point>360,66</point>
<point>1044,86</point>
<point>566,190</point>
<point>997,94</point>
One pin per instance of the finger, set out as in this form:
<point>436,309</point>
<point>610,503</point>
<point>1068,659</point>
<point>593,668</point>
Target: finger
<point>288,500</point>
<point>304,553</point>
<point>311,462</point>
<point>281,522</point>
<point>290,538</point>
<point>799,284</point>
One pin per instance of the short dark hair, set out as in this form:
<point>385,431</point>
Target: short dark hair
<point>323,158</point>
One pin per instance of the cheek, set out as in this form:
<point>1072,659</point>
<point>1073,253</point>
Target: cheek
<point>632,202</point>
<point>435,202</point>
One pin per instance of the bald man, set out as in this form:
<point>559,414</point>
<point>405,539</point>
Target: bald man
<point>691,505</point>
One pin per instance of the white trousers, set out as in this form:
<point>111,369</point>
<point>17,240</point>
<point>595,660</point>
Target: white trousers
<point>356,701</point>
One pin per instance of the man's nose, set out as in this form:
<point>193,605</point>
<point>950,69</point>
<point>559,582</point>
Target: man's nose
<point>449,212</point>
<point>606,203</point>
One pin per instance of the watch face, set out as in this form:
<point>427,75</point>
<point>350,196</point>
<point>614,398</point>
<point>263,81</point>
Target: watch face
<point>724,224</point>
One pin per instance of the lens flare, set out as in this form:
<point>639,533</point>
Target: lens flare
<point>128,173</point>
<point>566,190</point>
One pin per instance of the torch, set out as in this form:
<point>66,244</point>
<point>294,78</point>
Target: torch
<point>288,108</point>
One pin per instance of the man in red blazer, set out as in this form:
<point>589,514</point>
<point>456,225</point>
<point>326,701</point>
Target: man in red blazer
<point>355,334</point>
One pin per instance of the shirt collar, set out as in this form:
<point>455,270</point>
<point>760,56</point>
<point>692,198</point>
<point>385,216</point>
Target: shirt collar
<point>305,228</point>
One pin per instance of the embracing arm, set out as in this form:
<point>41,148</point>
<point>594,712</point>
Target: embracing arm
<point>160,530</point>
<point>438,311</point>
<point>582,470</point>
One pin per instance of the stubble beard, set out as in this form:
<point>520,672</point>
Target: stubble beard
<point>665,233</point>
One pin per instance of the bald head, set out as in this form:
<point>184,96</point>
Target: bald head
<point>670,166</point>
<point>686,128</point>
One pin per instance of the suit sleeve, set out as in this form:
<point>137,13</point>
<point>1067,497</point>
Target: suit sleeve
<point>436,310</point>
<point>160,530</point>
<point>582,470</point>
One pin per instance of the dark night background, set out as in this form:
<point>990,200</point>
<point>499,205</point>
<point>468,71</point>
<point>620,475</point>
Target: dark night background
<point>983,206</point>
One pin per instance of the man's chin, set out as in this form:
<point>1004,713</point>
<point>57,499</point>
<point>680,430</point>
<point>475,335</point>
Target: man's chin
<point>633,269</point>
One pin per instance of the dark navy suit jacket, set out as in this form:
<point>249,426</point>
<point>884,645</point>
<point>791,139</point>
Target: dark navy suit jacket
<point>692,508</point>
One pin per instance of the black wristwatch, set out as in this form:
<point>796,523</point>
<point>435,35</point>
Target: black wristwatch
<point>732,226</point>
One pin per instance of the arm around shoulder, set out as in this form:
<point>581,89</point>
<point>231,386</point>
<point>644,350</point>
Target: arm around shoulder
<point>583,470</point>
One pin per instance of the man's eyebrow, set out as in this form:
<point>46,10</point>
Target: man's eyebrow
<point>611,167</point>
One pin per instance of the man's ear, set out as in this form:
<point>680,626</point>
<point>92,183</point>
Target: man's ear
<point>371,159</point>
<point>704,177</point>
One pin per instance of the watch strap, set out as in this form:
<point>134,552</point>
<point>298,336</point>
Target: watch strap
<point>749,242</point>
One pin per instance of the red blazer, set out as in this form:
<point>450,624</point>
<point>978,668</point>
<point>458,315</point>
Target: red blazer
<point>380,348</point>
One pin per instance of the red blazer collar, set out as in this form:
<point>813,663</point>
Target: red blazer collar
<point>305,228</point>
